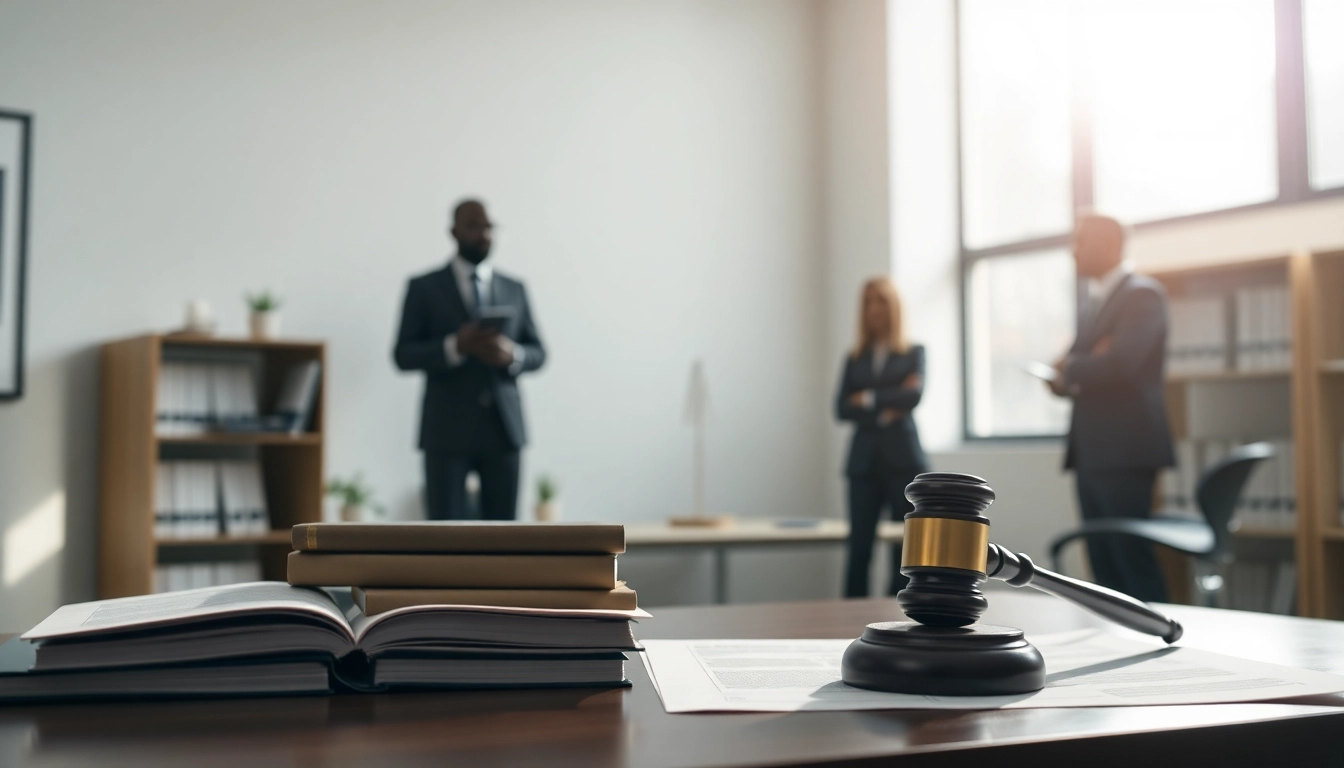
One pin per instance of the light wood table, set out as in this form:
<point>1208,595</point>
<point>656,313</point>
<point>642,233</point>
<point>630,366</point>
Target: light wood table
<point>743,533</point>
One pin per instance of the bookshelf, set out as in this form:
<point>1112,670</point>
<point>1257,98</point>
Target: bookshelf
<point>1297,399</point>
<point>130,449</point>
<point>1322,278</point>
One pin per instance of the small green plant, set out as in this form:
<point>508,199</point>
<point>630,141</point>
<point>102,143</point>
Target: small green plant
<point>262,302</point>
<point>546,489</point>
<point>354,493</point>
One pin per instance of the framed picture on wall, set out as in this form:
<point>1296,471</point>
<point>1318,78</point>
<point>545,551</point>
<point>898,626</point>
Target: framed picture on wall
<point>15,177</point>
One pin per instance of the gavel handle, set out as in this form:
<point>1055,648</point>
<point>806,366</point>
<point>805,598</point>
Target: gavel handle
<point>1124,610</point>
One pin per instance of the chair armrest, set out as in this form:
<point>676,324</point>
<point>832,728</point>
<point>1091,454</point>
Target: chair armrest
<point>1192,537</point>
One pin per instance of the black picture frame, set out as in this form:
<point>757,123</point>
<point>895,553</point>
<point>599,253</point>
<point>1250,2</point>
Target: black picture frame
<point>16,164</point>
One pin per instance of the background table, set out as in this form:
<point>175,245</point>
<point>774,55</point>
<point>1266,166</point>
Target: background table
<point>746,532</point>
<point>629,727</point>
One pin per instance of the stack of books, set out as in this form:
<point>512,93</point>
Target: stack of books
<point>555,582</point>
<point>435,606</point>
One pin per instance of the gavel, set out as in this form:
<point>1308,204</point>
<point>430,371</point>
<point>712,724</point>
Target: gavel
<point>947,554</point>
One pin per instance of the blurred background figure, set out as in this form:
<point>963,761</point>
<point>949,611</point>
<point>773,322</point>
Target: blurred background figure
<point>471,419</point>
<point>881,382</point>
<point>1118,436</point>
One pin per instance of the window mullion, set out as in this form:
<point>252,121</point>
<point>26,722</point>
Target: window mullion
<point>1290,101</point>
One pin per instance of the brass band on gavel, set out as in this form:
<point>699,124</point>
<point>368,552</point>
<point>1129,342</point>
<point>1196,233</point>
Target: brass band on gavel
<point>946,543</point>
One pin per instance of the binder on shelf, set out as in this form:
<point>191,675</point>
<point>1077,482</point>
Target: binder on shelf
<point>1187,476</point>
<point>191,507</point>
<point>1198,338</point>
<point>194,397</point>
<point>1264,328</point>
<point>163,500</point>
<point>298,396</point>
<point>1287,486</point>
<point>205,520</point>
<point>244,495</point>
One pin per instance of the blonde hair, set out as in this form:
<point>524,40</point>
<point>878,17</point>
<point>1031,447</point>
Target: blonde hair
<point>897,341</point>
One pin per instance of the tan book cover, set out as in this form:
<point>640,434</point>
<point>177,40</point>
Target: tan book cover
<point>380,600</point>
<point>310,569</point>
<point>445,536</point>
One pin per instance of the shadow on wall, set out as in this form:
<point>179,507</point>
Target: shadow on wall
<point>80,411</point>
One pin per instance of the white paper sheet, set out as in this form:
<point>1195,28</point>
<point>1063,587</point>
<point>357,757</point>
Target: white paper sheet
<point>1086,668</point>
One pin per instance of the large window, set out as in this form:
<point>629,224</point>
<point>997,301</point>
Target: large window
<point>1322,32</point>
<point>1025,311</point>
<point>1146,110</point>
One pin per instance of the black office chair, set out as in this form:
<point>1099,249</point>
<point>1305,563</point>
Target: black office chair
<point>1209,540</point>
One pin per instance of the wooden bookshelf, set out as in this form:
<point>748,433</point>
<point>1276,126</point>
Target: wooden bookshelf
<point>130,449</point>
<point>1273,389</point>
<point>1314,400</point>
<point>243,438</point>
<point>1322,277</point>
<point>1268,373</point>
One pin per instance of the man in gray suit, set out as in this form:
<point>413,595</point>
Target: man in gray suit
<point>472,414</point>
<point>1118,436</point>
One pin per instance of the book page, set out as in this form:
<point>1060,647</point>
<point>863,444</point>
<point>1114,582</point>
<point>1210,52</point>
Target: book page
<point>361,624</point>
<point>120,614</point>
<point>1086,668</point>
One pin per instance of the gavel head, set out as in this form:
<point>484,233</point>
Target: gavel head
<point>945,548</point>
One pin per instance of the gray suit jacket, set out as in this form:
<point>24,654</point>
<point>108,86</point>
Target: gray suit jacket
<point>1120,412</point>
<point>458,399</point>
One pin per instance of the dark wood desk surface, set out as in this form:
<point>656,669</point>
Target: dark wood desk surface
<point>629,727</point>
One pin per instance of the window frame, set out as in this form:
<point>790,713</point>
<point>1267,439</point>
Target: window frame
<point>1294,178</point>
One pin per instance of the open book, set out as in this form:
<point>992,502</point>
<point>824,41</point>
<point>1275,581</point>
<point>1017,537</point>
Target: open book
<point>270,637</point>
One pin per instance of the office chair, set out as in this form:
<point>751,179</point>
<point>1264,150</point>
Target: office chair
<point>1209,540</point>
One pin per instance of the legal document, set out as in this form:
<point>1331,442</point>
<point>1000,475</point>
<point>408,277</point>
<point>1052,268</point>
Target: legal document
<point>1084,668</point>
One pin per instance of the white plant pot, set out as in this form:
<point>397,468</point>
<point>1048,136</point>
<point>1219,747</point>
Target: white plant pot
<point>265,325</point>
<point>352,513</point>
<point>547,512</point>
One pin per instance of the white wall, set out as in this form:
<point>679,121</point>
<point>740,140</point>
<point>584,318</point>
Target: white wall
<point>654,168</point>
<point>857,185</point>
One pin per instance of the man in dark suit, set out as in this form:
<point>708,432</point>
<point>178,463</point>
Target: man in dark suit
<point>472,415</point>
<point>1118,437</point>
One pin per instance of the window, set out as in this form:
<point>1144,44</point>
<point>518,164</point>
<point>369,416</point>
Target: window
<point>1147,110</point>
<point>1024,311</point>
<point>1015,136</point>
<point>1181,100</point>
<point>1322,26</point>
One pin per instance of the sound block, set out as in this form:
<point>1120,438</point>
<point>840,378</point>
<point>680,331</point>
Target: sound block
<point>979,660</point>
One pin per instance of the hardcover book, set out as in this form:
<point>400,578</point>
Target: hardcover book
<point>465,571</point>
<point>272,638</point>
<point>454,536</point>
<point>379,600</point>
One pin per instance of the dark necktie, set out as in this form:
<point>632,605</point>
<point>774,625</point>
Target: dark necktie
<point>476,291</point>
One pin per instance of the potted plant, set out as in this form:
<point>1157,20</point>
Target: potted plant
<point>265,317</point>
<point>355,497</point>
<point>548,506</point>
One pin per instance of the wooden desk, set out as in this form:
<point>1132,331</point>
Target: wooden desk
<point>630,728</point>
<point>745,532</point>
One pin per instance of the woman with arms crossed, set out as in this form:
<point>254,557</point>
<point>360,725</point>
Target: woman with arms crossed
<point>881,382</point>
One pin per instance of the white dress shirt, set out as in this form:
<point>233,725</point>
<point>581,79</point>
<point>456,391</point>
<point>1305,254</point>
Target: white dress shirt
<point>485,275</point>
<point>1099,289</point>
<point>880,354</point>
